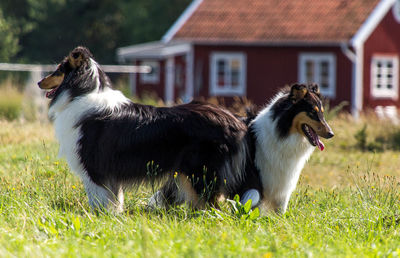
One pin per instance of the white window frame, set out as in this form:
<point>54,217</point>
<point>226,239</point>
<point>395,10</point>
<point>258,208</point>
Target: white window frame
<point>330,92</point>
<point>396,10</point>
<point>376,92</point>
<point>151,78</point>
<point>227,90</point>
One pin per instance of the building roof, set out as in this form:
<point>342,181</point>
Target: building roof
<point>265,21</point>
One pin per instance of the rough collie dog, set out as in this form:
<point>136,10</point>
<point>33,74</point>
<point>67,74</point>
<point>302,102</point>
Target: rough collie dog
<point>281,138</point>
<point>111,142</point>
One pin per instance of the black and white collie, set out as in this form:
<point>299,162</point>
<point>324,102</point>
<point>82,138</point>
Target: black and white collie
<point>281,139</point>
<point>111,142</point>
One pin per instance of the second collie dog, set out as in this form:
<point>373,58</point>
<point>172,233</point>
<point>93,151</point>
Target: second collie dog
<point>281,139</point>
<point>111,142</point>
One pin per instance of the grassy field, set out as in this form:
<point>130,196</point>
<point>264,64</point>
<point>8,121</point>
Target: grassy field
<point>346,204</point>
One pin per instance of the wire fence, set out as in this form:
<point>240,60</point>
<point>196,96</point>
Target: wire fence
<point>50,68</point>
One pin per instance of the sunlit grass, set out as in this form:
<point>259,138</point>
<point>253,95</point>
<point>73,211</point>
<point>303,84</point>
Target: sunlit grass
<point>346,204</point>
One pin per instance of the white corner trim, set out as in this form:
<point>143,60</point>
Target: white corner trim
<point>189,76</point>
<point>371,22</point>
<point>357,93</point>
<point>396,11</point>
<point>181,20</point>
<point>169,81</point>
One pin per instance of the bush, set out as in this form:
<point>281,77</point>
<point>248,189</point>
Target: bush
<point>10,103</point>
<point>361,138</point>
<point>395,140</point>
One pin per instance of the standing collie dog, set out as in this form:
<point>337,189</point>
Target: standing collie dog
<point>111,142</point>
<point>281,138</point>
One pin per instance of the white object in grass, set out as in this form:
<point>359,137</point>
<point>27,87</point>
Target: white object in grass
<point>252,194</point>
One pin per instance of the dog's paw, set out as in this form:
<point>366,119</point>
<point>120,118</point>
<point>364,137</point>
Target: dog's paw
<point>156,201</point>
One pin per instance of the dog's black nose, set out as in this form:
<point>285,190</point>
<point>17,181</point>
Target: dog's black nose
<point>330,135</point>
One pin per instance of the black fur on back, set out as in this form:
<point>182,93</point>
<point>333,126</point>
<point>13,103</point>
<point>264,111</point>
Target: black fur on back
<point>184,139</point>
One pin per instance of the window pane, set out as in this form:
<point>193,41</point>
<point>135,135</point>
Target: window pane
<point>324,68</point>
<point>310,71</point>
<point>383,74</point>
<point>324,76</point>
<point>221,72</point>
<point>235,73</point>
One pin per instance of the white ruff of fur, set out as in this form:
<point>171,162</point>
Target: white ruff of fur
<point>66,114</point>
<point>279,160</point>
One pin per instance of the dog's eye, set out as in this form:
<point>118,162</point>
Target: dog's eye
<point>75,55</point>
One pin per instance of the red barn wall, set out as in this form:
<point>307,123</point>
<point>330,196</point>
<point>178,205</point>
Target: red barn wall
<point>269,69</point>
<point>384,40</point>
<point>149,88</point>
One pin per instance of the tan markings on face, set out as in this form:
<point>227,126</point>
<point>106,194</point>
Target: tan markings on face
<point>322,109</point>
<point>51,81</point>
<point>75,62</point>
<point>316,109</point>
<point>302,118</point>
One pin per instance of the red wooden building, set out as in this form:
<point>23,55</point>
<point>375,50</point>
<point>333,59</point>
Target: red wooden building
<point>251,48</point>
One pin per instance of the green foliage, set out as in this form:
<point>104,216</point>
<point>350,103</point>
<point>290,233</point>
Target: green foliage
<point>389,139</point>
<point>10,104</point>
<point>361,138</point>
<point>331,113</point>
<point>47,30</point>
<point>8,40</point>
<point>394,139</point>
<point>244,211</point>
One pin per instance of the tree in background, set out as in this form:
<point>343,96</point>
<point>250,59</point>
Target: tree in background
<point>8,40</point>
<point>44,31</point>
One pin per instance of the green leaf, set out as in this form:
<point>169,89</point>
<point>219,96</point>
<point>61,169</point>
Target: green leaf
<point>236,198</point>
<point>76,223</point>
<point>255,214</point>
<point>247,206</point>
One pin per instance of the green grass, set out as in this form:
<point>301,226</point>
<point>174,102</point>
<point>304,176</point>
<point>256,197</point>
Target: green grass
<point>346,204</point>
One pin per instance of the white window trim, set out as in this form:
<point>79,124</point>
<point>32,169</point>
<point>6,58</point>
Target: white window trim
<point>331,58</point>
<point>150,78</point>
<point>217,91</point>
<point>385,93</point>
<point>396,10</point>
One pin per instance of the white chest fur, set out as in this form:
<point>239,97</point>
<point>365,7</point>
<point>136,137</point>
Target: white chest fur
<point>279,160</point>
<point>66,114</point>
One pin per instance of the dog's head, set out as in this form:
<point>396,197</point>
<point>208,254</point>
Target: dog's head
<point>301,111</point>
<point>309,119</point>
<point>78,59</point>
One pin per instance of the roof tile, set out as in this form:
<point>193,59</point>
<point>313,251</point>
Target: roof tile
<point>276,20</point>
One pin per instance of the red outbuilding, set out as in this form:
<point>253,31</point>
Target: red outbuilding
<point>252,48</point>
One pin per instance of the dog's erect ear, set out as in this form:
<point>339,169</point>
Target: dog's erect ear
<point>297,92</point>
<point>75,59</point>
<point>314,88</point>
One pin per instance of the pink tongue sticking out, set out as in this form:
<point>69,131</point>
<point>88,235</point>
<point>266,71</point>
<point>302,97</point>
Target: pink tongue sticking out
<point>321,145</point>
<point>50,93</point>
